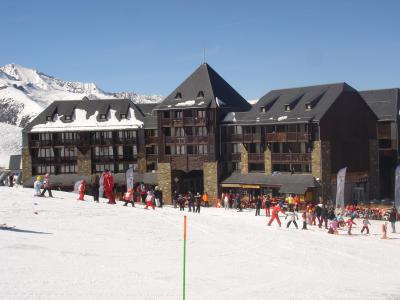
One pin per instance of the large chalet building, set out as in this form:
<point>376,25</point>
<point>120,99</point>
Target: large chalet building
<point>205,137</point>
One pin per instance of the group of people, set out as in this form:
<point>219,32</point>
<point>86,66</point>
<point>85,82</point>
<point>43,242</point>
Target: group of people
<point>10,179</point>
<point>41,185</point>
<point>193,201</point>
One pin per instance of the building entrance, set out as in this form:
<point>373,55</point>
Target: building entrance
<point>183,182</point>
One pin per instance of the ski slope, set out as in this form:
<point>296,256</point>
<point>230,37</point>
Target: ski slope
<point>86,250</point>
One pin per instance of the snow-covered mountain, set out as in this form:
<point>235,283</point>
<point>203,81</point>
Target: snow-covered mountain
<point>25,92</point>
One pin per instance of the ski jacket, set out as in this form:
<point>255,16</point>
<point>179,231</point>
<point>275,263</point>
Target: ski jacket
<point>292,216</point>
<point>108,182</point>
<point>392,216</point>
<point>366,222</point>
<point>276,210</point>
<point>82,187</point>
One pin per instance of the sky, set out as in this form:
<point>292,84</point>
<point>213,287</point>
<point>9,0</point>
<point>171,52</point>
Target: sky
<point>151,46</point>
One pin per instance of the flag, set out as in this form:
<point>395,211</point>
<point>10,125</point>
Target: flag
<point>129,179</point>
<point>397,188</point>
<point>340,181</point>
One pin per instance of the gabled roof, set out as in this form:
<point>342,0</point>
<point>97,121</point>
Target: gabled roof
<point>270,109</point>
<point>384,103</point>
<point>204,88</point>
<point>86,110</point>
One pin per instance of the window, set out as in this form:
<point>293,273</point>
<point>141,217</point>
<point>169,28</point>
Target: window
<point>68,118</point>
<point>201,131</point>
<point>134,148</point>
<point>46,153</point>
<point>166,115</point>
<point>235,148</point>
<point>237,129</point>
<point>68,136</point>
<point>68,152</point>
<point>123,116</point>
<point>263,110</point>
<point>180,149</point>
<point>43,169</point>
<point>103,117</point>
<point>178,96</point>
<point>179,132</point>
<point>178,114</point>
<point>102,167</point>
<point>68,169</point>
<point>201,113</point>
<point>200,95</point>
<point>103,151</point>
<point>45,137</point>
<point>287,107</point>
<point>235,167</point>
<point>49,118</point>
<point>202,149</point>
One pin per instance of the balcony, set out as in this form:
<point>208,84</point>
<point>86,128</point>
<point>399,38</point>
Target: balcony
<point>194,121</point>
<point>152,157</point>
<point>67,159</point>
<point>251,137</point>
<point>188,162</point>
<point>166,122</point>
<point>102,141</point>
<point>125,140</point>
<point>197,139</point>
<point>256,157</point>
<point>44,160</point>
<point>293,158</point>
<point>175,139</point>
<point>236,156</point>
<point>236,138</point>
<point>288,137</point>
<point>177,122</point>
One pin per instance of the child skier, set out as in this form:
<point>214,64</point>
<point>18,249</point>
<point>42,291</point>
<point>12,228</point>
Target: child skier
<point>304,217</point>
<point>149,200</point>
<point>275,211</point>
<point>333,227</point>
<point>292,218</point>
<point>128,198</point>
<point>82,190</point>
<point>365,225</point>
<point>350,224</point>
<point>384,230</point>
<point>37,185</point>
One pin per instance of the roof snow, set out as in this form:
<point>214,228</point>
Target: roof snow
<point>282,118</point>
<point>219,102</point>
<point>230,117</point>
<point>80,122</point>
<point>186,103</point>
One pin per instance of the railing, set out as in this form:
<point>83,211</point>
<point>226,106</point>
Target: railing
<point>166,122</point>
<point>384,131</point>
<point>197,139</point>
<point>175,139</point>
<point>234,138</point>
<point>178,122</point>
<point>151,139</point>
<point>291,157</point>
<point>194,121</point>
<point>256,156</point>
<point>152,157</point>
<point>288,137</point>
<point>103,141</point>
<point>124,140</point>
<point>251,137</point>
<point>43,160</point>
<point>67,159</point>
<point>236,156</point>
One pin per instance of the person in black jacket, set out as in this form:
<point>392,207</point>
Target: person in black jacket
<point>95,184</point>
<point>393,219</point>
<point>198,202</point>
<point>158,196</point>
<point>331,214</point>
<point>258,205</point>
<point>324,217</point>
<point>191,202</point>
<point>181,201</point>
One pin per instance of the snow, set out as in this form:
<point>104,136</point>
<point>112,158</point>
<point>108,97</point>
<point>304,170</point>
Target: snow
<point>219,102</point>
<point>200,103</point>
<point>282,118</point>
<point>11,137</point>
<point>80,122</point>
<point>85,250</point>
<point>186,103</point>
<point>230,117</point>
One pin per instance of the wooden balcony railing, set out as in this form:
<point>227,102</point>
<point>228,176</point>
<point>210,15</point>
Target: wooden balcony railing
<point>151,139</point>
<point>235,156</point>
<point>288,137</point>
<point>196,139</point>
<point>166,122</point>
<point>194,121</point>
<point>178,122</point>
<point>256,157</point>
<point>152,157</point>
<point>251,137</point>
<point>291,157</point>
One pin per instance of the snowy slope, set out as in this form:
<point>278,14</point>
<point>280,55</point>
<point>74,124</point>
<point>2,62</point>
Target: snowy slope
<point>24,92</point>
<point>10,142</point>
<point>84,250</point>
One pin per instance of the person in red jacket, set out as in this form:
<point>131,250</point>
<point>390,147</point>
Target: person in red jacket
<point>274,215</point>
<point>108,182</point>
<point>128,198</point>
<point>82,190</point>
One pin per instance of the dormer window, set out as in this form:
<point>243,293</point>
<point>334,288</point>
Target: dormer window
<point>123,116</point>
<point>263,110</point>
<point>178,96</point>
<point>49,118</point>
<point>308,106</point>
<point>200,95</point>
<point>103,117</point>
<point>287,107</point>
<point>68,118</point>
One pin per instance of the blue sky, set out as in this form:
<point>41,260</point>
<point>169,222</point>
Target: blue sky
<point>151,46</point>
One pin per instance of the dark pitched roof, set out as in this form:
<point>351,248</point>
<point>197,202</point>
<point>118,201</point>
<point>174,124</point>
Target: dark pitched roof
<point>67,107</point>
<point>15,162</point>
<point>204,88</point>
<point>303,104</point>
<point>146,108</point>
<point>287,183</point>
<point>384,103</point>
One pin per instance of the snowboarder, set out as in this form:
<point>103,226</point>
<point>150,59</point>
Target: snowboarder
<point>275,211</point>
<point>82,190</point>
<point>292,218</point>
<point>365,225</point>
<point>149,200</point>
<point>46,185</point>
<point>95,184</point>
<point>128,198</point>
<point>37,185</point>
<point>393,218</point>
<point>258,205</point>
<point>108,183</point>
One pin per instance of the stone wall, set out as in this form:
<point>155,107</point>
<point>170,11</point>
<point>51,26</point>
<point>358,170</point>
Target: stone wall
<point>321,166</point>
<point>244,160</point>
<point>26,165</point>
<point>84,163</point>
<point>267,161</point>
<point>210,175</point>
<point>373,176</point>
<point>164,181</point>
<point>141,164</point>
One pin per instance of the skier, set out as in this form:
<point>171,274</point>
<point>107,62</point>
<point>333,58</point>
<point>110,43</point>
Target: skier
<point>384,230</point>
<point>258,205</point>
<point>323,217</point>
<point>95,183</point>
<point>175,199</point>
<point>82,190</point>
<point>181,202</point>
<point>365,225</point>
<point>350,224</point>
<point>149,200</point>
<point>225,197</point>
<point>393,218</point>
<point>198,202</point>
<point>108,183</point>
<point>333,227</point>
<point>304,218</point>
<point>11,180</point>
<point>205,199</point>
<point>46,185</point>
<point>191,202</point>
<point>275,211</point>
<point>292,218</point>
<point>268,206</point>
<point>37,185</point>
<point>128,198</point>
<point>143,192</point>
<point>318,213</point>
<point>158,196</point>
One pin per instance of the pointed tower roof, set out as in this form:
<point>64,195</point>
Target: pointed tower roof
<point>204,88</point>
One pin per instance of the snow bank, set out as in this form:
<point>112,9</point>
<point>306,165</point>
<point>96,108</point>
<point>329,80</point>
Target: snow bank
<point>85,250</point>
<point>11,142</point>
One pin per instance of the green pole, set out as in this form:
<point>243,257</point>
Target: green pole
<point>184,258</point>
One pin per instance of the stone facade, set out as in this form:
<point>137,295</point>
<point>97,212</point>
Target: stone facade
<point>26,165</point>
<point>373,176</point>
<point>164,181</point>
<point>244,160</point>
<point>321,166</point>
<point>267,161</point>
<point>210,172</point>
<point>141,164</point>
<point>84,163</point>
